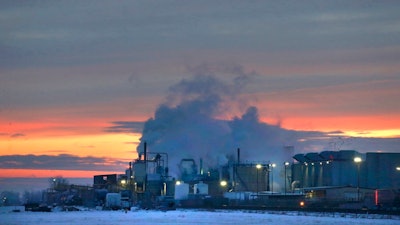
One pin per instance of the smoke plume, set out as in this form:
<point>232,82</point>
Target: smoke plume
<point>186,125</point>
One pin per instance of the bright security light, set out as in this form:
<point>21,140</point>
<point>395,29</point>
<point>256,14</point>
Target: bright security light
<point>178,182</point>
<point>287,163</point>
<point>258,166</point>
<point>398,168</point>
<point>123,181</point>
<point>357,160</point>
<point>223,183</point>
<point>273,165</point>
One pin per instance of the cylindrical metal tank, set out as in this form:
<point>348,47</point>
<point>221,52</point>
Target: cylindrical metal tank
<point>139,171</point>
<point>181,191</point>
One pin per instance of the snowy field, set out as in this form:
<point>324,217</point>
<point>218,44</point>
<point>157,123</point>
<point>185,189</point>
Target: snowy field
<point>189,217</point>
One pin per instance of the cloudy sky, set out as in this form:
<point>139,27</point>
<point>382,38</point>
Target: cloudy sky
<point>75,74</point>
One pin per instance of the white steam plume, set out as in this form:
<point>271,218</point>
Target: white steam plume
<point>185,125</point>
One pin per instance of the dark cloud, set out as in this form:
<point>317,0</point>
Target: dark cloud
<point>263,33</point>
<point>100,31</point>
<point>36,184</point>
<point>14,135</point>
<point>125,127</point>
<point>17,135</point>
<point>61,162</point>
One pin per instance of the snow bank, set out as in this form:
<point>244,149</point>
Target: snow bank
<point>187,217</point>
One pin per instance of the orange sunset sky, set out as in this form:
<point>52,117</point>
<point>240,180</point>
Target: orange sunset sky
<point>70,71</point>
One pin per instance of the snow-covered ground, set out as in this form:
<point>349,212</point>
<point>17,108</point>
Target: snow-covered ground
<point>143,217</point>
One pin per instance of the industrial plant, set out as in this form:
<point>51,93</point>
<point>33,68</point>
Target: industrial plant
<point>329,180</point>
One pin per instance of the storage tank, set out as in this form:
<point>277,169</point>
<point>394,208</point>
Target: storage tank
<point>113,200</point>
<point>181,190</point>
<point>139,171</point>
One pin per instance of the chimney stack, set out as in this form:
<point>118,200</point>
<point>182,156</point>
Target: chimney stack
<point>238,156</point>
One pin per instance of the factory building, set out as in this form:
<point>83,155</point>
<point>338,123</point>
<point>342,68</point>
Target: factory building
<point>251,177</point>
<point>331,177</point>
<point>348,179</point>
<point>346,168</point>
<point>328,168</point>
<point>105,181</point>
<point>382,170</point>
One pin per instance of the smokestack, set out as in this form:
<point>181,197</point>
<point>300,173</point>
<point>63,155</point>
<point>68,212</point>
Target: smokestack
<point>238,155</point>
<point>201,166</point>
<point>130,175</point>
<point>145,165</point>
<point>145,151</point>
